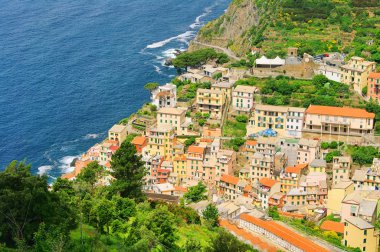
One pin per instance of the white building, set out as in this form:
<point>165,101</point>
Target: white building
<point>331,73</point>
<point>243,98</point>
<point>165,96</point>
<point>294,122</point>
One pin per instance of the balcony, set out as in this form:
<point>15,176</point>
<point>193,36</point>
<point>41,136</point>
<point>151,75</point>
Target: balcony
<point>333,121</point>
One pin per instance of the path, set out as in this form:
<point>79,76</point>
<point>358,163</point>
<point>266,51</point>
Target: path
<point>225,50</point>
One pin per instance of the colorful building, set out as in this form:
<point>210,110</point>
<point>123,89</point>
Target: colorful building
<point>373,87</point>
<point>211,102</point>
<point>243,98</point>
<point>118,133</point>
<point>360,234</point>
<point>356,72</point>
<point>338,121</point>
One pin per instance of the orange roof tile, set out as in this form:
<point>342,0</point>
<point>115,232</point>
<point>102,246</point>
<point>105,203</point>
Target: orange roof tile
<point>108,165</point>
<point>206,140</point>
<point>247,188</point>
<point>251,142</point>
<point>139,140</point>
<point>196,149</point>
<point>285,234</point>
<point>180,189</point>
<point>229,179</point>
<point>114,148</point>
<point>374,75</point>
<point>338,111</point>
<point>68,176</point>
<point>268,182</point>
<point>333,226</point>
<point>296,168</point>
<point>254,240</point>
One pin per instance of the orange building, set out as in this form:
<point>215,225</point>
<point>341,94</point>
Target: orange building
<point>139,142</point>
<point>373,88</point>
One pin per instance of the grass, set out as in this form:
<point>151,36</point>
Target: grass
<point>195,232</point>
<point>234,129</point>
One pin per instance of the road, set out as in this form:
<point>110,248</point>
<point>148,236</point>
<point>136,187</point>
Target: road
<point>225,50</point>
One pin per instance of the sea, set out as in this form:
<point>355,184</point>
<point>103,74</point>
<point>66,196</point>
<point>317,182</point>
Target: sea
<point>70,69</point>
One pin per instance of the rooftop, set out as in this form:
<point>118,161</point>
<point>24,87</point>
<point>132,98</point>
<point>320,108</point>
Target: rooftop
<point>295,169</point>
<point>374,75</point>
<point>245,89</point>
<point>118,128</point>
<point>171,111</point>
<point>343,184</point>
<point>271,108</point>
<point>285,234</point>
<point>229,179</point>
<point>308,142</point>
<point>223,84</point>
<point>359,222</point>
<point>318,163</point>
<point>209,91</point>
<point>268,182</point>
<point>338,111</point>
<point>139,140</point>
<point>196,149</point>
<point>337,227</point>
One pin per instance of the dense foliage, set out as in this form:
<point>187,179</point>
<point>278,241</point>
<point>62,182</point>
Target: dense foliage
<point>198,58</point>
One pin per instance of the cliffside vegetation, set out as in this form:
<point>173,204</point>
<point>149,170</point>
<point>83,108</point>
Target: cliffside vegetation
<point>314,26</point>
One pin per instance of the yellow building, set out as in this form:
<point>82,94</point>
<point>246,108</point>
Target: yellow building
<point>318,165</point>
<point>336,195</point>
<point>211,102</point>
<point>118,133</point>
<point>180,166</point>
<point>356,72</point>
<point>225,87</point>
<point>161,142</point>
<point>175,117</point>
<point>268,117</point>
<point>360,234</point>
<point>290,177</point>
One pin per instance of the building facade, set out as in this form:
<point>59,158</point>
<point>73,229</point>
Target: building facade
<point>356,72</point>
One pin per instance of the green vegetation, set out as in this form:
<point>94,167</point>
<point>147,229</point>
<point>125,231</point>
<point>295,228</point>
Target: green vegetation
<point>196,193</point>
<point>233,128</point>
<point>235,143</point>
<point>363,155</point>
<point>329,157</point>
<point>198,58</point>
<point>151,86</point>
<point>187,91</point>
<point>189,141</point>
<point>311,229</point>
<point>78,216</point>
<point>331,145</point>
<point>315,27</point>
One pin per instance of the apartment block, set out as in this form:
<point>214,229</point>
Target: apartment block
<point>164,96</point>
<point>341,169</point>
<point>243,99</point>
<point>338,121</point>
<point>225,87</point>
<point>175,117</point>
<point>356,72</point>
<point>373,88</point>
<point>360,234</point>
<point>211,102</point>
<point>308,150</point>
<point>118,133</point>
<point>195,157</point>
<point>294,122</point>
<point>161,142</point>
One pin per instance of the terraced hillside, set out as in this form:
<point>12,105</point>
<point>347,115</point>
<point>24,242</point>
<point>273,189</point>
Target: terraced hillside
<point>314,26</point>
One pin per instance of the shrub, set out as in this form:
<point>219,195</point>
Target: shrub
<point>242,118</point>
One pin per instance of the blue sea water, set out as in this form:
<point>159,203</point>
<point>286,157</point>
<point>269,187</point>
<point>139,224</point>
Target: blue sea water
<point>70,69</point>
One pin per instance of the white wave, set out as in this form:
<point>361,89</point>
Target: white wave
<point>181,37</point>
<point>91,136</point>
<point>198,22</point>
<point>65,164</point>
<point>157,69</point>
<point>44,169</point>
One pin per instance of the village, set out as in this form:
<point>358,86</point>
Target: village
<point>262,164</point>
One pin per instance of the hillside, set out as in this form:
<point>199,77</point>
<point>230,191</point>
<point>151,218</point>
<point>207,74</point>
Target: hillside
<point>349,26</point>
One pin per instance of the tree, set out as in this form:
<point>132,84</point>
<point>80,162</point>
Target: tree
<point>196,193</point>
<point>26,202</point>
<point>364,154</point>
<point>103,213</point>
<point>162,222</point>
<point>364,91</point>
<point>211,215</point>
<point>329,157</point>
<point>197,58</point>
<point>226,242</point>
<point>128,171</point>
<point>150,86</point>
<point>189,141</point>
<point>273,213</point>
<point>192,245</point>
<point>319,80</point>
<point>91,173</point>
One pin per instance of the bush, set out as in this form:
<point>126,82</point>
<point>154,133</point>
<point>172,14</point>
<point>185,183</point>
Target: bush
<point>325,145</point>
<point>242,118</point>
<point>330,155</point>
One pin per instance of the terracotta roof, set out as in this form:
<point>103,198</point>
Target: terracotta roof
<point>267,182</point>
<point>285,234</point>
<point>196,149</point>
<point>139,140</point>
<point>296,168</point>
<point>333,226</point>
<point>114,148</point>
<point>182,158</point>
<point>108,165</point>
<point>247,188</point>
<point>68,176</point>
<point>251,142</point>
<point>229,179</point>
<point>254,240</point>
<point>374,75</point>
<point>338,111</point>
<point>206,140</point>
<point>180,189</point>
